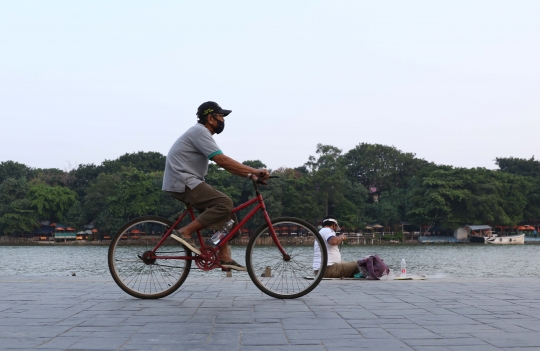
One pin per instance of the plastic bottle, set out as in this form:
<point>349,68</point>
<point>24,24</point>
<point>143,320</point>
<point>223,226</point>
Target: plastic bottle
<point>403,268</point>
<point>220,234</point>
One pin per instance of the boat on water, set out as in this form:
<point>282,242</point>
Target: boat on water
<point>475,234</point>
<point>508,240</point>
<point>482,234</point>
<point>477,239</point>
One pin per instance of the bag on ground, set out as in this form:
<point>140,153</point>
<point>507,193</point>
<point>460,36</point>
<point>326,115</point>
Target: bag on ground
<point>373,267</point>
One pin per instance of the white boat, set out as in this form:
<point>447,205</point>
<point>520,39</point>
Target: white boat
<point>513,239</point>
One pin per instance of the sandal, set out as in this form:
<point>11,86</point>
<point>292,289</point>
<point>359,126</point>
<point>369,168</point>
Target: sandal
<point>233,265</point>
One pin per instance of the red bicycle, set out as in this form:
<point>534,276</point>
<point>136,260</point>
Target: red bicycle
<point>278,268</point>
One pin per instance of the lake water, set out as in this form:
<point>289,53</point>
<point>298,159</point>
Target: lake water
<point>435,261</point>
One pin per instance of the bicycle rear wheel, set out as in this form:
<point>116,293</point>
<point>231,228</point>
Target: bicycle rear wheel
<point>275,276</point>
<point>141,277</point>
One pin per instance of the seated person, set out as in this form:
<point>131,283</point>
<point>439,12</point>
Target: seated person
<point>335,268</point>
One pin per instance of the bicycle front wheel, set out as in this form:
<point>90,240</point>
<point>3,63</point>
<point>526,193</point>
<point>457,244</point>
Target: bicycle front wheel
<point>280,278</point>
<point>136,274</point>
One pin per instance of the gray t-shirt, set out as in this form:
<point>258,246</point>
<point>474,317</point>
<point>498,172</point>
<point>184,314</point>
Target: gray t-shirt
<point>187,160</point>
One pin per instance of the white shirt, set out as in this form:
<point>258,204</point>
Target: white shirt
<point>334,256</point>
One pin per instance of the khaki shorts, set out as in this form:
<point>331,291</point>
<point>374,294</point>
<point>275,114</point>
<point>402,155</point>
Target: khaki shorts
<point>341,270</point>
<point>215,207</point>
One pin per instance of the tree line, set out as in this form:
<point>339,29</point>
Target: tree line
<point>369,184</point>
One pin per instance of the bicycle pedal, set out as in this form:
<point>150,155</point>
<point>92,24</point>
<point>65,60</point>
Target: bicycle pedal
<point>226,269</point>
<point>183,241</point>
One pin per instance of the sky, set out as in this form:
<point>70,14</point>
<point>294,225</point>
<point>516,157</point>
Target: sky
<point>455,82</point>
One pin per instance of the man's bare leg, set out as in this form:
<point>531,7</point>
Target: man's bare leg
<point>190,228</point>
<point>224,253</point>
<point>186,231</point>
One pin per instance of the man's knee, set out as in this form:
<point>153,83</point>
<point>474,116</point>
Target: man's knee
<point>333,271</point>
<point>341,270</point>
<point>224,206</point>
<point>229,204</point>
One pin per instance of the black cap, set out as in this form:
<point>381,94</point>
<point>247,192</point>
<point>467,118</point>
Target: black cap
<point>211,107</point>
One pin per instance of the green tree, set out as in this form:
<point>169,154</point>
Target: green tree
<point>53,177</point>
<point>97,192</point>
<point>51,202</point>
<point>327,176</point>
<point>19,217</point>
<point>107,222</point>
<point>135,196</point>
<point>117,198</point>
<point>380,166</point>
<point>530,169</point>
<point>298,195</point>
<point>146,162</point>
<point>83,177</point>
<point>16,170</point>
<point>390,209</point>
<point>16,212</point>
<point>85,174</point>
<point>330,183</point>
<point>12,189</point>
<point>75,216</point>
<point>432,197</point>
<point>455,197</point>
<point>351,210</point>
<point>532,210</point>
<point>517,197</point>
<point>320,188</point>
<point>519,166</point>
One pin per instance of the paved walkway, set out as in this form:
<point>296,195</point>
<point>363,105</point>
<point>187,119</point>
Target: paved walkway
<point>74,313</point>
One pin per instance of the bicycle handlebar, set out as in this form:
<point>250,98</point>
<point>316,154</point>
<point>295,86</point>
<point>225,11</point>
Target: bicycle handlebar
<point>259,181</point>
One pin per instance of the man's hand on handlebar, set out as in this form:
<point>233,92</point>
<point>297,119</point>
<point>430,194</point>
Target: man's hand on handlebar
<point>260,176</point>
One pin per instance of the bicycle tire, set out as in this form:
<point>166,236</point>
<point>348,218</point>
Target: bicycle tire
<point>147,280</point>
<point>279,278</point>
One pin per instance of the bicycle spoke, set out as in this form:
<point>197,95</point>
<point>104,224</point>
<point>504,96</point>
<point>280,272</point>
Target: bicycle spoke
<point>287,278</point>
<point>145,277</point>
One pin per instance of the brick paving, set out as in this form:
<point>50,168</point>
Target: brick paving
<point>75,313</point>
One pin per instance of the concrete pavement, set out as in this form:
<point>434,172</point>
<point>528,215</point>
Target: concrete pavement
<point>75,313</point>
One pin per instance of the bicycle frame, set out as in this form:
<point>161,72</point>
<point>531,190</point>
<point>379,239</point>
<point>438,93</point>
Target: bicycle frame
<point>259,207</point>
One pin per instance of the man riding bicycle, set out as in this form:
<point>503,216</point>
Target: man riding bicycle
<point>187,165</point>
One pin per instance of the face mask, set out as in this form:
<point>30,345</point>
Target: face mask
<point>220,126</point>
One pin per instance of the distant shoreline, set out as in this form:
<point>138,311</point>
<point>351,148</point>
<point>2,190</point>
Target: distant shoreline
<point>106,243</point>
<point>237,242</point>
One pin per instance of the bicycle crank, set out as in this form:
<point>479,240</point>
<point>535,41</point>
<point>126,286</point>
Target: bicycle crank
<point>207,260</point>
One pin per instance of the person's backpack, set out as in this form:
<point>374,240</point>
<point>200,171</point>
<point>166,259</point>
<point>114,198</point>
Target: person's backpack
<point>373,267</point>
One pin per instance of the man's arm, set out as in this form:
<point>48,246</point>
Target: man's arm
<point>336,240</point>
<point>237,168</point>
